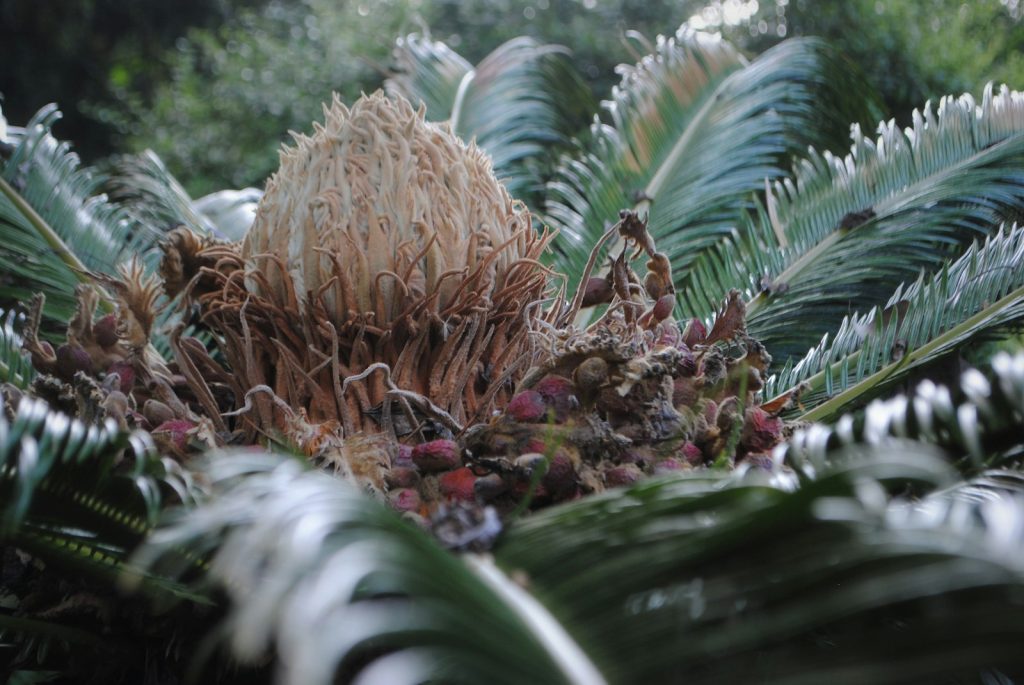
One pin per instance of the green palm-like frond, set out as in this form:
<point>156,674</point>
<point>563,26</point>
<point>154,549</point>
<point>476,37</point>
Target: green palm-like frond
<point>331,580</point>
<point>83,494</point>
<point>980,291</point>
<point>15,367</point>
<point>145,186</point>
<point>428,72</point>
<point>512,103</point>
<point>741,582</point>
<point>694,131</point>
<point>854,227</point>
<point>54,222</point>
<point>147,189</point>
<point>719,577</point>
<point>983,430</point>
<point>79,499</point>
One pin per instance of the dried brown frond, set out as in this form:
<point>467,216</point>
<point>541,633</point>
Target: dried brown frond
<point>185,256</point>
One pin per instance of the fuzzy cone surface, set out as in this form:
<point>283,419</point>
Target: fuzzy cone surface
<point>388,284</point>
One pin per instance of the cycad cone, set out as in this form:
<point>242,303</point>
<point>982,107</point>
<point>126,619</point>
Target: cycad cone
<point>402,206</point>
<point>384,239</point>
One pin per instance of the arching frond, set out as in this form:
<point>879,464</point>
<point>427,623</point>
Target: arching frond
<point>983,430</point>
<point>511,103</point>
<point>737,582</point>
<point>145,187</point>
<point>54,223</point>
<point>694,131</point>
<point>980,291</point>
<point>844,231</point>
<point>15,367</point>
<point>730,576</point>
<point>333,581</point>
<point>428,72</point>
<point>82,494</point>
<point>77,499</point>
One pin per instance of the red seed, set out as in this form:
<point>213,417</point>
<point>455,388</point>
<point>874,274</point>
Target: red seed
<point>560,479</point>
<point>624,474</point>
<point>126,372</point>
<point>404,456</point>
<point>559,393</point>
<point>669,465</point>
<point>761,431</point>
<point>175,432</point>
<point>105,331</point>
<point>458,484</point>
<point>528,407</point>
<point>691,454</point>
<point>535,445</point>
<point>520,488</point>
<point>436,455</point>
<point>405,499</point>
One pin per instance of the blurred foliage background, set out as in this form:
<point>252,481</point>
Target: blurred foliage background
<point>214,86</point>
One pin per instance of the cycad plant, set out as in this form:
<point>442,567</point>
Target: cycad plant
<point>410,429</point>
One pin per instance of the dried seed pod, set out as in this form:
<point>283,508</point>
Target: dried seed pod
<point>654,285</point>
<point>591,374</point>
<point>157,413</point>
<point>72,358</point>
<point>598,291</point>
<point>663,307</point>
<point>115,406</point>
<point>436,455</point>
<point>44,359</point>
<point>659,265</point>
<point>489,487</point>
<point>105,331</point>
